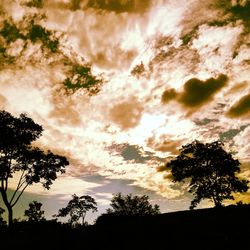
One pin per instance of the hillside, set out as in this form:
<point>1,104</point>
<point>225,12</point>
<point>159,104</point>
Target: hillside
<point>224,228</point>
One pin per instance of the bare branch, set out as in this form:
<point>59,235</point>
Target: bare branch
<point>19,185</point>
<point>18,197</point>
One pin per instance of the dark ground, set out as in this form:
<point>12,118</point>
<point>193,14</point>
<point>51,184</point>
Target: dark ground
<point>204,229</point>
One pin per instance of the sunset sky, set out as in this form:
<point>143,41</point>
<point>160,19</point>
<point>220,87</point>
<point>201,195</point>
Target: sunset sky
<point>167,73</point>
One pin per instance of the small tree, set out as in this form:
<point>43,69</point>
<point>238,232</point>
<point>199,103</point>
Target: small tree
<point>211,171</point>
<point>132,205</point>
<point>17,156</point>
<point>34,213</point>
<point>77,208</point>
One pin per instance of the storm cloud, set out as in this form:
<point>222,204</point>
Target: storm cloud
<point>196,92</point>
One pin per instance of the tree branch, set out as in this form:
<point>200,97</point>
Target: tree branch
<point>2,184</point>
<point>18,197</point>
<point>6,184</point>
<point>19,185</point>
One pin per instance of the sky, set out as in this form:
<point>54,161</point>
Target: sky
<point>120,85</point>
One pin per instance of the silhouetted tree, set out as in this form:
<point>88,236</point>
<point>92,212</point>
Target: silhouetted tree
<point>77,208</point>
<point>2,221</point>
<point>34,213</point>
<point>211,171</point>
<point>132,205</point>
<point>19,158</point>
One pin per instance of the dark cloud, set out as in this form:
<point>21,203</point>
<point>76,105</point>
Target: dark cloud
<point>81,77</point>
<point>196,92</point>
<point>138,70</point>
<point>119,6</point>
<point>17,37</point>
<point>134,153</point>
<point>34,3</point>
<point>231,133</point>
<point>188,37</point>
<point>238,10</point>
<point>127,114</point>
<point>29,30</point>
<point>240,108</point>
<point>168,95</point>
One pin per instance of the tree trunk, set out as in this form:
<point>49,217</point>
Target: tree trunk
<point>9,208</point>
<point>218,204</point>
<point>83,218</point>
<point>10,216</point>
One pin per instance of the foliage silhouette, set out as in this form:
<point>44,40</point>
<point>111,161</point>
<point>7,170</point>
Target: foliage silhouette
<point>17,156</point>
<point>2,221</point>
<point>132,205</point>
<point>34,212</point>
<point>77,208</point>
<point>211,171</point>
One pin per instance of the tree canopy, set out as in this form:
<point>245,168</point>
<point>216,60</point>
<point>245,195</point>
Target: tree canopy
<point>77,208</point>
<point>132,205</point>
<point>20,159</point>
<point>211,172</point>
<point>34,212</point>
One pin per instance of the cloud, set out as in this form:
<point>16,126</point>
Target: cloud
<point>134,153</point>
<point>239,10</point>
<point>164,144</point>
<point>196,92</point>
<point>126,114</point>
<point>231,133</point>
<point>174,57</point>
<point>3,102</point>
<point>65,111</point>
<point>138,70</point>
<point>113,57</point>
<point>238,87</point>
<point>34,3</point>
<point>168,95</point>
<point>240,108</point>
<point>66,186</point>
<point>204,121</point>
<point>119,6</point>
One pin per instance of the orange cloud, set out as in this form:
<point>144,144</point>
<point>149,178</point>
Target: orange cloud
<point>164,144</point>
<point>64,110</point>
<point>3,102</point>
<point>168,95</point>
<point>127,114</point>
<point>113,57</point>
<point>118,6</point>
<point>240,108</point>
